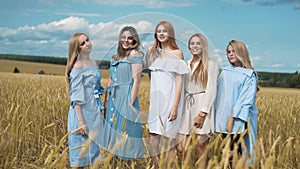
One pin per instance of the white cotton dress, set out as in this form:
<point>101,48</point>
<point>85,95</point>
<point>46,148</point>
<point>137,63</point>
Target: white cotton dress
<point>198,99</point>
<point>162,95</point>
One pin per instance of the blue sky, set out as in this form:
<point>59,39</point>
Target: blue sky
<point>270,28</point>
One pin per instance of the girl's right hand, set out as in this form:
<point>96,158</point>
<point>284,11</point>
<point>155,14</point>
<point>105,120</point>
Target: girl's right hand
<point>82,127</point>
<point>229,124</point>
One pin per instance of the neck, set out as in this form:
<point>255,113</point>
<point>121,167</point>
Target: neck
<point>238,64</point>
<point>196,57</point>
<point>165,46</point>
<point>83,56</point>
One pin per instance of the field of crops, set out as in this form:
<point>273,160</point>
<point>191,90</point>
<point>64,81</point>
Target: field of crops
<point>33,126</point>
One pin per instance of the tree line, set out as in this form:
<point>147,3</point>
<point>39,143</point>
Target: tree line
<point>266,79</point>
<point>47,59</point>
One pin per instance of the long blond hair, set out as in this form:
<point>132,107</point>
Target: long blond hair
<point>200,74</point>
<point>171,42</point>
<point>73,52</point>
<point>241,53</point>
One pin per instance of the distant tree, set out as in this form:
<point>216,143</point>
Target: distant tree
<point>41,72</point>
<point>16,70</point>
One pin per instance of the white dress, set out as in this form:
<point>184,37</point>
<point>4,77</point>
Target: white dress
<point>162,95</point>
<point>198,99</point>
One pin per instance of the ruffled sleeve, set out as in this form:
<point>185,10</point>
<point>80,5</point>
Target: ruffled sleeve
<point>170,65</point>
<point>77,95</point>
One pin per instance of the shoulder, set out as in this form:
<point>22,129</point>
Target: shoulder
<point>93,63</point>
<point>150,48</point>
<point>212,64</point>
<point>213,67</point>
<point>136,53</point>
<point>178,53</point>
<point>78,65</point>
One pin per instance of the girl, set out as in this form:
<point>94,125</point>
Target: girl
<point>123,111</point>
<point>236,111</point>
<point>83,84</point>
<point>166,91</point>
<point>200,94</point>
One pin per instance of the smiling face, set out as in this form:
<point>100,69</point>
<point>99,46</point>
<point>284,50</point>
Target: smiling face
<point>85,45</point>
<point>195,45</point>
<point>162,34</point>
<point>126,40</point>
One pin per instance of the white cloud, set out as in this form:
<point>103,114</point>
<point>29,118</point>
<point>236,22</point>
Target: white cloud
<point>277,65</point>
<point>52,38</point>
<point>68,24</point>
<point>255,58</point>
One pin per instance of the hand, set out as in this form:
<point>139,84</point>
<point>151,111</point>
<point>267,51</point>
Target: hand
<point>199,120</point>
<point>229,124</point>
<point>173,114</point>
<point>82,127</point>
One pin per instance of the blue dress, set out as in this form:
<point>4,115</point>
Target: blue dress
<point>236,93</point>
<point>124,127</point>
<point>85,89</point>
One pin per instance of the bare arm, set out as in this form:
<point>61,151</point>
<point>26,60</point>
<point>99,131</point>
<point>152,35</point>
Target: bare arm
<point>136,74</point>
<point>178,87</point>
<point>81,123</point>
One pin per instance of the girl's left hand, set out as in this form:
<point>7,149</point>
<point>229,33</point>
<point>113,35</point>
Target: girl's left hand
<point>199,120</point>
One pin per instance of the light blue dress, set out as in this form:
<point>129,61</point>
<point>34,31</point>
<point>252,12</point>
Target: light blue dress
<point>85,89</point>
<point>123,121</point>
<point>237,93</point>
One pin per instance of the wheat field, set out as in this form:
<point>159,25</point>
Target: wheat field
<point>33,124</point>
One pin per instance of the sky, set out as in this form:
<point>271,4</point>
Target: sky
<point>269,28</point>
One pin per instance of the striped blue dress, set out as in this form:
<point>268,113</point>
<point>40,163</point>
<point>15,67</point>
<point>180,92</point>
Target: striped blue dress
<point>85,89</point>
<point>124,125</point>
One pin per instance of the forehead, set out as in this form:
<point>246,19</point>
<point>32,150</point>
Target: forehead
<point>126,33</point>
<point>82,38</point>
<point>160,27</point>
<point>230,47</point>
<point>195,39</point>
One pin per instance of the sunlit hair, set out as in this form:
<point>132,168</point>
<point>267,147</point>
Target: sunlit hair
<point>200,74</point>
<point>136,42</point>
<point>73,52</point>
<point>241,53</point>
<point>171,39</point>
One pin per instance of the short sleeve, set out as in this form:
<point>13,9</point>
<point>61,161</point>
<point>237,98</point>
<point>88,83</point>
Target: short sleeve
<point>77,95</point>
<point>170,65</point>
